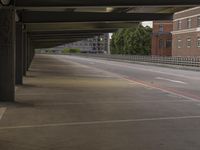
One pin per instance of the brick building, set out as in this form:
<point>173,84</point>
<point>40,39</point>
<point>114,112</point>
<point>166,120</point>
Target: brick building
<point>186,33</point>
<point>162,38</point>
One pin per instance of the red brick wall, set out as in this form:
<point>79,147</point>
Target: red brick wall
<point>168,26</point>
<point>184,33</point>
<point>184,50</point>
<point>157,36</point>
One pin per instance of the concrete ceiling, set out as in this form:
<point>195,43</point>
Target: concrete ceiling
<point>69,16</point>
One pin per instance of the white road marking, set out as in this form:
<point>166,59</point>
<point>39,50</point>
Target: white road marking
<point>170,80</point>
<point>2,111</point>
<point>99,122</point>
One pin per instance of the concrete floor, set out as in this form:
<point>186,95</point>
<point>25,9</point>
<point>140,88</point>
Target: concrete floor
<point>67,105</point>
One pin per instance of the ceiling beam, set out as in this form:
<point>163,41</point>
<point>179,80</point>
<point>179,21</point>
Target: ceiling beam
<point>101,3</point>
<point>60,38</point>
<point>65,27</point>
<point>54,17</point>
<point>53,35</point>
<point>73,32</point>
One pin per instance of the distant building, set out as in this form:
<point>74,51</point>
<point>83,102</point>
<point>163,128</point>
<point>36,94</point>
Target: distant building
<point>186,33</point>
<point>162,38</point>
<point>98,44</point>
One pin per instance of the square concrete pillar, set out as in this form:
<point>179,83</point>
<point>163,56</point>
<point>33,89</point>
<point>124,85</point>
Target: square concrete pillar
<point>19,54</point>
<point>25,53</point>
<point>28,52</point>
<point>7,54</point>
<point>31,52</point>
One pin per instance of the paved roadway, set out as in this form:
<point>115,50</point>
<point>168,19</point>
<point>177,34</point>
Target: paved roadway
<point>178,82</point>
<point>78,103</point>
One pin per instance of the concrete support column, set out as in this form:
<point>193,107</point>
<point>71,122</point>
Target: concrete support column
<point>25,53</point>
<point>19,54</point>
<point>28,52</point>
<point>108,46</point>
<point>32,52</point>
<point>7,54</point>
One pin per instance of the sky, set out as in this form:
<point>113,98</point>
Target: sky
<point>147,23</point>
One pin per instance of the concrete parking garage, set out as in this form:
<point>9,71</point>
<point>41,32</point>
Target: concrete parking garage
<point>59,103</point>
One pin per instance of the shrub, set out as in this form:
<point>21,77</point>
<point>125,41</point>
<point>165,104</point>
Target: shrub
<point>74,50</point>
<point>66,51</point>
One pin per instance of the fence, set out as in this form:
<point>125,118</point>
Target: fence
<point>182,61</point>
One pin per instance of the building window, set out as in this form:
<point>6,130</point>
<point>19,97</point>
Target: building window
<point>189,23</point>
<point>198,42</point>
<point>198,21</point>
<point>161,44</point>
<point>161,28</point>
<point>189,42</point>
<point>168,43</point>
<point>179,43</point>
<point>179,24</point>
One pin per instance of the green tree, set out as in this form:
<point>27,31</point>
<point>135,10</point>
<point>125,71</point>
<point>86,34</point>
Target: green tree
<point>135,40</point>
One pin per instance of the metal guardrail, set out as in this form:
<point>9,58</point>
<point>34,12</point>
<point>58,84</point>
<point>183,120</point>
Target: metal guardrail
<point>182,61</point>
